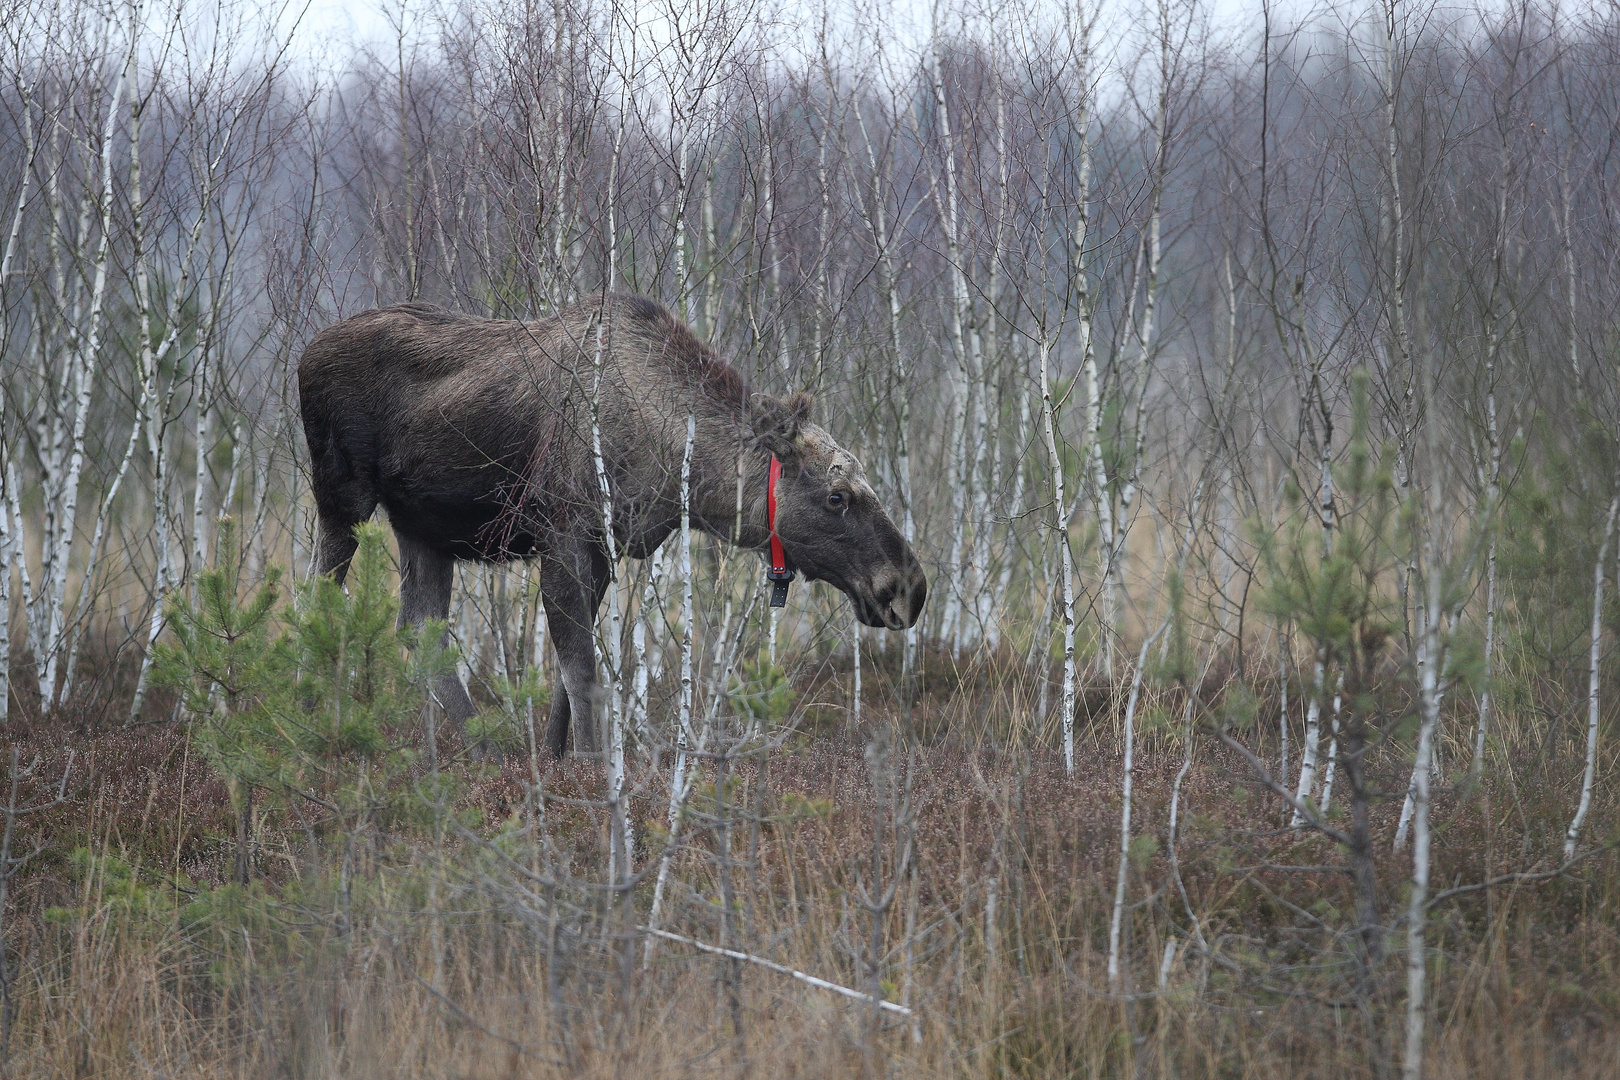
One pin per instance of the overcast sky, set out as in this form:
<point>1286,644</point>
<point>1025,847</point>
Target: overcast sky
<point>331,27</point>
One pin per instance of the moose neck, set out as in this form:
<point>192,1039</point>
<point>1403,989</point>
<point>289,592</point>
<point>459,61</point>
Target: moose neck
<point>716,500</point>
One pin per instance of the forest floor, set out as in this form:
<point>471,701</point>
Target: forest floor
<point>938,854</point>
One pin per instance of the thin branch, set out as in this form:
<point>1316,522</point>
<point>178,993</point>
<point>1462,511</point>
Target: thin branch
<point>781,969</point>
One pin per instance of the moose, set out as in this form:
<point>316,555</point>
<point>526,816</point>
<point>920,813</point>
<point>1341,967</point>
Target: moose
<point>492,440</point>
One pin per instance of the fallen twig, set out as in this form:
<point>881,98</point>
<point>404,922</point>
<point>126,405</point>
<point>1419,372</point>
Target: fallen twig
<point>782,969</point>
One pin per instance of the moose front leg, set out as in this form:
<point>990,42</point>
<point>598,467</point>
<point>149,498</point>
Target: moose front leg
<point>573,580</point>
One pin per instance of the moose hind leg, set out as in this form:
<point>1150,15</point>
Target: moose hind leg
<point>425,578</point>
<point>342,501</point>
<point>334,545</point>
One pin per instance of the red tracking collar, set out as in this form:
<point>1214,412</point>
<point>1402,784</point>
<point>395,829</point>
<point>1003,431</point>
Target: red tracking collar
<point>778,574</point>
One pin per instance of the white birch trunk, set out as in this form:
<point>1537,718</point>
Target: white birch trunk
<point>152,410</point>
<point>156,417</point>
<point>54,351</point>
<point>1102,493</point>
<point>1116,920</point>
<point>1432,648</point>
<point>1482,729</point>
<point>877,223</point>
<point>560,284</point>
<point>1593,685</point>
<point>1333,745</point>
<point>984,624</point>
<point>1313,713</point>
<point>622,843</point>
<point>5,594</point>
<point>227,501</point>
<point>1081,283</point>
<point>678,215</point>
<point>1417,903</point>
<point>712,286</point>
<point>1003,585</point>
<point>1131,485</point>
<point>1065,560</point>
<point>14,513</point>
<point>1283,644</point>
<point>1116,548</point>
<point>685,740</point>
<point>1310,749</point>
<point>157,408</point>
<point>819,329</point>
<point>855,647</point>
<point>202,437</point>
<point>10,531</point>
<point>964,343</point>
<point>1493,486</point>
<point>88,349</point>
<point>645,647</point>
<point>778,322</point>
<point>1571,279</point>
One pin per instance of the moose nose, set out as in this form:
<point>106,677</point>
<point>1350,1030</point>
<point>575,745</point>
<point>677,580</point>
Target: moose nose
<point>906,603</point>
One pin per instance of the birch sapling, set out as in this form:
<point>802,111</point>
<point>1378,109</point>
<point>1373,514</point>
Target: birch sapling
<point>1080,34</point>
<point>821,315</point>
<point>883,238</point>
<point>1493,464</point>
<point>156,421</point>
<point>1593,685</point>
<point>1284,643</point>
<point>855,650</point>
<point>1310,748</point>
<point>1193,920</point>
<point>1571,277</point>
<point>1333,744</point>
<point>1432,647</point>
<point>87,354</point>
<point>622,841</point>
<point>1060,536</point>
<point>201,441</point>
<point>985,608</point>
<point>964,341</point>
<point>1116,920</point>
<point>1146,347</point>
<point>10,530</point>
<point>998,598</point>
<point>646,645</point>
<point>154,409</point>
<point>5,590</point>
<point>685,740</point>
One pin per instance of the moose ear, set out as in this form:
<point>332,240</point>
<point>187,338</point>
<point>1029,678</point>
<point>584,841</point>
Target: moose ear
<point>778,423</point>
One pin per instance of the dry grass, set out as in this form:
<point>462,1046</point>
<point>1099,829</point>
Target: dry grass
<point>393,961</point>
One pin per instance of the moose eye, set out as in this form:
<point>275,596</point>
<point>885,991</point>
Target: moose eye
<point>836,500</point>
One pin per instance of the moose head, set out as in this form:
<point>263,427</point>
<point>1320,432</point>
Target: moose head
<point>831,524</point>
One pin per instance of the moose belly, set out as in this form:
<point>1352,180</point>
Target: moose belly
<point>481,524</point>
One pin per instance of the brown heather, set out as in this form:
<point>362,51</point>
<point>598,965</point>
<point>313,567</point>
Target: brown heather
<point>1525,978</point>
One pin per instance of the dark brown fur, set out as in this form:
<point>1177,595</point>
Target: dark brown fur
<point>475,435</point>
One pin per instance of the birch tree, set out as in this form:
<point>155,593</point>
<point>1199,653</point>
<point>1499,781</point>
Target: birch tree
<point>1593,684</point>
<point>964,336</point>
<point>81,290</point>
<point>885,228</point>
